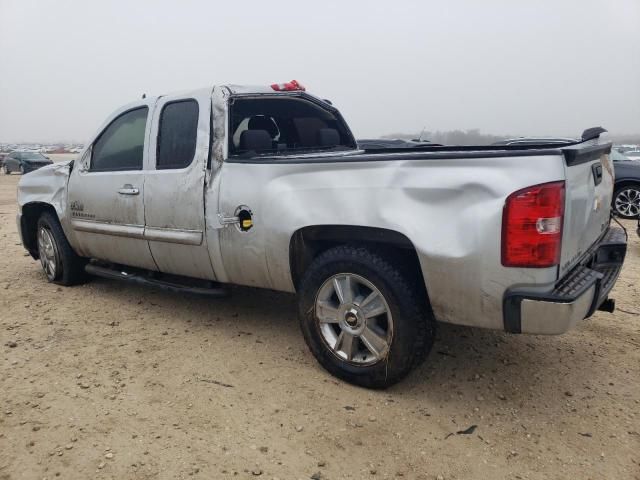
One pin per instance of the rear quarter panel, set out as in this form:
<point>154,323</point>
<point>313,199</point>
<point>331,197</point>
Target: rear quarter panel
<point>450,209</point>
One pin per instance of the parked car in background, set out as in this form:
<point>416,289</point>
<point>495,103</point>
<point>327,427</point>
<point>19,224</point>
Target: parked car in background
<point>632,154</point>
<point>24,162</point>
<point>626,194</point>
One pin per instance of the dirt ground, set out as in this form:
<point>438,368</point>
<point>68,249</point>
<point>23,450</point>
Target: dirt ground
<point>108,380</point>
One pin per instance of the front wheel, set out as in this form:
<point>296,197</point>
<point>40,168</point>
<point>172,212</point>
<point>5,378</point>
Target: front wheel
<point>363,320</point>
<point>6,170</point>
<point>60,263</point>
<point>626,201</point>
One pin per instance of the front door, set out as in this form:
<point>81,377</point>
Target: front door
<point>174,185</point>
<point>106,192</point>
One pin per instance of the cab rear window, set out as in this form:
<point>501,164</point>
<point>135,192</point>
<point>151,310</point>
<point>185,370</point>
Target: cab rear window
<point>284,125</point>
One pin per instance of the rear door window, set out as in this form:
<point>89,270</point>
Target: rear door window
<point>120,146</point>
<point>177,134</point>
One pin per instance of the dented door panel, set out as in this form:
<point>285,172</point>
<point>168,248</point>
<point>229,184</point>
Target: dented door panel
<point>174,199</point>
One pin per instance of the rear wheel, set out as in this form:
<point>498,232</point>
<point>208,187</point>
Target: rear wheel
<point>626,201</point>
<point>59,262</point>
<point>363,320</point>
<point>6,170</point>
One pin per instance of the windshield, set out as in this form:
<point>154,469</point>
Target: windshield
<point>32,156</point>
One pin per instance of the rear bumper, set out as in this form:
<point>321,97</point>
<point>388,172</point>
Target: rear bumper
<point>575,297</point>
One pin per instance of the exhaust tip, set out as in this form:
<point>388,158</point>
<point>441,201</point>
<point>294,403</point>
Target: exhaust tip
<point>609,305</point>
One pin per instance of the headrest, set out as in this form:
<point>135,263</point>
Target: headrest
<point>258,140</point>
<point>328,137</point>
<point>261,122</point>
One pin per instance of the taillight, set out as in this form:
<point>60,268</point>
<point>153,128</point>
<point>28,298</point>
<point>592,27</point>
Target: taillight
<point>532,226</point>
<point>293,85</point>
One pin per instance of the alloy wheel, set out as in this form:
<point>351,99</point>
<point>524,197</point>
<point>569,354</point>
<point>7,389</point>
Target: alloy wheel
<point>354,319</point>
<point>627,202</point>
<point>48,253</point>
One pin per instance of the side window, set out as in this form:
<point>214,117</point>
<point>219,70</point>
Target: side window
<point>121,144</point>
<point>177,134</point>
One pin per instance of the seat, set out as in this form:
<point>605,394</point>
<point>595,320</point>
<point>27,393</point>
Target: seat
<point>328,137</point>
<point>256,140</point>
<point>262,122</point>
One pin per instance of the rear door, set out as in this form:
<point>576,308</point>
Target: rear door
<point>106,191</point>
<point>589,189</point>
<point>174,185</point>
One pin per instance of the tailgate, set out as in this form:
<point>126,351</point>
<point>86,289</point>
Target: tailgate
<point>589,189</point>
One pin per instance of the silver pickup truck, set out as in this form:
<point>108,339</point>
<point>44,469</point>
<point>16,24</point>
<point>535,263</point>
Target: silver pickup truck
<point>267,187</point>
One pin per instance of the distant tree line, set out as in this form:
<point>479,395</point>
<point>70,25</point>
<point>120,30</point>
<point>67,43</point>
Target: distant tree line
<point>475,137</point>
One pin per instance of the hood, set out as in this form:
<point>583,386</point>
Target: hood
<point>627,166</point>
<point>627,170</point>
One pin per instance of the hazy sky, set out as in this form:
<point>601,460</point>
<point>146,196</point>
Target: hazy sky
<point>504,66</point>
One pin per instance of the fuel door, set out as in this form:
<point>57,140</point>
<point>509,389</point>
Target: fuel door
<point>245,218</point>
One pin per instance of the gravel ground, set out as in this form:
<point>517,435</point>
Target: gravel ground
<point>108,380</point>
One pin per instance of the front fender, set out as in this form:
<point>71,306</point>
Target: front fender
<point>46,185</point>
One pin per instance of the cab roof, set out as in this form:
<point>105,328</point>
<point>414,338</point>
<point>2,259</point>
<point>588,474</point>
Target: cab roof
<point>248,89</point>
<point>233,89</point>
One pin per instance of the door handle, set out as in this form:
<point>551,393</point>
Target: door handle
<point>128,190</point>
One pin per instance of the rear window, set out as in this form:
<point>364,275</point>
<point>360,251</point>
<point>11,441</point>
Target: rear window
<point>177,134</point>
<point>284,125</point>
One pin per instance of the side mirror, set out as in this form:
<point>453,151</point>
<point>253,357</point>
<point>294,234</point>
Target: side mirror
<point>85,161</point>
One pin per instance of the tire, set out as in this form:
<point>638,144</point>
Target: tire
<point>407,325</point>
<point>21,169</point>
<point>626,201</point>
<point>6,170</point>
<point>60,263</point>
